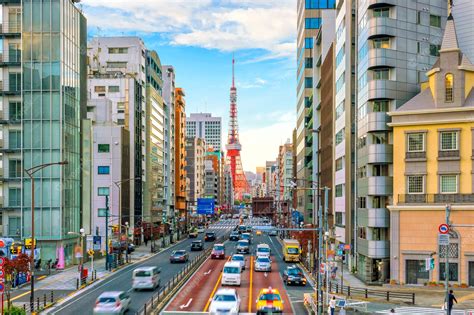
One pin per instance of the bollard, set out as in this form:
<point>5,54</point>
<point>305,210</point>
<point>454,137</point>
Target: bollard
<point>388,295</point>
<point>348,291</point>
<point>152,302</point>
<point>144,309</point>
<point>77,284</point>
<point>44,300</point>
<point>32,306</point>
<point>366,293</point>
<point>413,298</point>
<point>37,303</point>
<point>52,297</point>
<point>24,307</point>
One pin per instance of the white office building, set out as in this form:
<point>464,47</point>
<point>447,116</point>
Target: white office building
<point>203,125</point>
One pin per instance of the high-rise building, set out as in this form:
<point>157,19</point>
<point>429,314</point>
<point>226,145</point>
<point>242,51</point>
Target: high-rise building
<point>43,103</point>
<point>195,153</point>
<point>285,170</point>
<point>153,188</point>
<point>463,13</point>
<point>432,173</point>
<point>397,43</point>
<point>210,178</point>
<point>270,169</point>
<point>180,156</point>
<point>169,142</point>
<point>203,125</point>
<point>310,18</point>
<point>117,72</point>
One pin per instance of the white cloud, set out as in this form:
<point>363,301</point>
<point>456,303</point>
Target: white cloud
<point>256,83</point>
<point>261,144</point>
<point>231,25</point>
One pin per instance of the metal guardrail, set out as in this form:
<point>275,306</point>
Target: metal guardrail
<point>407,297</point>
<point>158,301</point>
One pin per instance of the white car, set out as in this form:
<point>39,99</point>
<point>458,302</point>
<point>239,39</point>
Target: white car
<point>263,263</point>
<point>112,302</point>
<point>263,250</point>
<point>240,259</point>
<point>201,229</point>
<point>225,301</point>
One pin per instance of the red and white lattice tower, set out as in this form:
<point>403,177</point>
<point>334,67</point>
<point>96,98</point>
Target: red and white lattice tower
<point>233,147</point>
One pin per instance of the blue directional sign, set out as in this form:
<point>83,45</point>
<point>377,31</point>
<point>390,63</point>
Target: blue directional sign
<point>205,205</point>
<point>2,287</point>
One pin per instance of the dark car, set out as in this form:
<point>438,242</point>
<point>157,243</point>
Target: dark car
<point>197,245</point>
<point>210,236</point>
<point>294,275</point>
<point>179,256</point>
<point>234,236</point>
<point>246,236</point>
<point>218,251</point>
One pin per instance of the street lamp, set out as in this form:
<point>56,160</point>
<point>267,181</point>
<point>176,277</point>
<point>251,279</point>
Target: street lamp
<point>81,235</point>
<point>30,173</point>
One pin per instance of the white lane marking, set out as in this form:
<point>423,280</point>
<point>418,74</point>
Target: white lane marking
<point>277,251</point>
<point>265,274</point>
<point>208,272</point>
<point>187,304</point>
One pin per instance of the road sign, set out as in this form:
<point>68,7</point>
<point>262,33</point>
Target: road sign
<point>96,242</point>
<point>205,205</point>
<point>347,247</point>
<point>443,228</point>
<point>2,243</point>
<point>330,255</point>
<point>2,287</point>
<point>78,251</point>
<point>340,253</point>
<point>443,239</point>
<point>90,252</point>
<point>341,246</point>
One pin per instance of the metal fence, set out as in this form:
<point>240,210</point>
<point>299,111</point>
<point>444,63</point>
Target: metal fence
<point>407,297</point>
<point>158,300</point>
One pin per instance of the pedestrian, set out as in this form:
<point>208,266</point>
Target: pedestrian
<point>451,300</point>
<point>146,241</point>
<point>332,305</point>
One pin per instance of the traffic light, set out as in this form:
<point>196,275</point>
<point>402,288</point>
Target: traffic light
<point>432,263</point>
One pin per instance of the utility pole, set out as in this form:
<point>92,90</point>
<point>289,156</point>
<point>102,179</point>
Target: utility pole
<point>107,232</point>
<point>446,265</point>
<point>320,256</point>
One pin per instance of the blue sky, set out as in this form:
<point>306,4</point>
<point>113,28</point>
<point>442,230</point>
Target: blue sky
<point>198,37</point>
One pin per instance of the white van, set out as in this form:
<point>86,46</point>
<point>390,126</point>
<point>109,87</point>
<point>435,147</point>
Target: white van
<point>231,273</point>
<point>146,278</point>
<point>263,250</point>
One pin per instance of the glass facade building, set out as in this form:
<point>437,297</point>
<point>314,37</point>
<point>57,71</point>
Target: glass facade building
<point>46,97</point>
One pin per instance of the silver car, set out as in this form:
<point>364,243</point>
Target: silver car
<point>263,263</point>
<point>112,302</point>
<point>243,247</point>
<point>240,259</point>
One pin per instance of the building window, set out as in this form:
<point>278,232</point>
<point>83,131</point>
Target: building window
<point>362,202</point>
<point>448,184</point>
<point>312,23</point>
<point>449,141</point>
<point>308,63</point>
<point>340,29</point>
<point>15,169</point>
<point>435,20</point>
<point>415,184</point>
<point>381,74</point>
<point>307,102</point>
<point>448,87</point>
<point>339,190</point>
<point>363,51</point>
<point>380,106</point>
<point>14,197</point>
<point>116,64</point>
<point>381,42</point>
<point>99,89</point>
<point>418,17</point>
<point>103,170</point>
<point>308,82</point>
<point>340,82</point>
<point>362,172</point>
<point>15,111</point>
<point>114,88</point>
<point>339,136</point>
<point>434,50</point>
<point>320,4</point>
<point>104,148</point>
<point>14,139</point>
<point>340,110</point>
<point>118,50</point>
<point>308,43</point>
<point>339,163</point>
<point>453,271</point>
<point>340,55</point>
<point>103,191</point>
<point>381,12</point>
<point>339,221</point>
<point>416,142</point>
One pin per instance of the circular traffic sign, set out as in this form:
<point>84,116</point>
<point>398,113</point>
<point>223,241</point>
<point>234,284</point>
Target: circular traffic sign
<point>2,261</point>
<point>2,243</point>
<point>443,228</point>
<point>2,287</point>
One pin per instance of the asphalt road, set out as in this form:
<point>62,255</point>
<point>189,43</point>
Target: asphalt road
<point>122,279</point>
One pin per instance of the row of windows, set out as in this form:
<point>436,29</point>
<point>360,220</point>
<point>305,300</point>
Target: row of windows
<point>448,184</point>
<point>118,50</point>
<point>340,109</point>
<point>448,141</point>
<point>340,82</point>
<point>339,136</point>
<point>320,4</point>
<point>312,23</point>
<point>340,55</point>
<point>308,43</point>
<point>111,89</point>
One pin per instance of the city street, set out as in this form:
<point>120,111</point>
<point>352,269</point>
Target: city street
<point>121,280</point>
<point>195,294</point>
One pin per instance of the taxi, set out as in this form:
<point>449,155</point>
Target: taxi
<point>269,301</point>
<point>258,232</point>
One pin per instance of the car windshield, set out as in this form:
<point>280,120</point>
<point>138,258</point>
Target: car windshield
<point>142,273</point>
<point>209,234</point>
<point>180,253</point>
<point>238,258</point>
<point>245,236</point>
<point>243,243</point>
<point>294,271</point>
<point>270,297</point>
<point>292,250</point>
<point>231,270</point>
<point>263,260</point>
<point>263,249</point>
<point>225,298</point>
<point>106,300</point>
<point>218,247</point>
<point>242,228</point>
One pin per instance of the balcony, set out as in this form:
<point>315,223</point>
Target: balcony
<point>382,57</point>
<point>382,89</point>
<point>5,89</point>
<point>381,3</point>
<point>376,154</point>
<point>382,26</point>
<point>10,29</point>
<point>375,186</point>
<point>448,155</point>
<point>404,199</point>
<point>373,249</point>
<point>378,121</point>
<point>373,217</point>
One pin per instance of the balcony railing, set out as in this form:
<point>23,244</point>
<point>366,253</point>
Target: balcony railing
<point>415,155</point>
<point>435,198</point>
<point>10,28</point>
<point>448,154</point>
<point>5,88</point>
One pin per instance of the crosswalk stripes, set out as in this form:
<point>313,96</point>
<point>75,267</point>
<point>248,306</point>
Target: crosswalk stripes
<point>426,310</point>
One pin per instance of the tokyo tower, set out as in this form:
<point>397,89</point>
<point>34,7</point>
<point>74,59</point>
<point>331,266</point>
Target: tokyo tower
<point>233,147</point>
